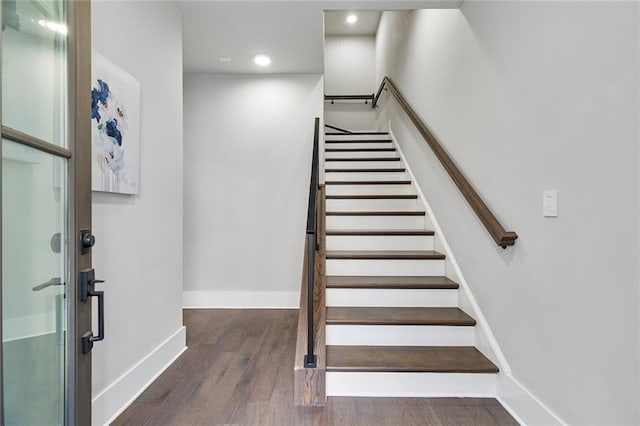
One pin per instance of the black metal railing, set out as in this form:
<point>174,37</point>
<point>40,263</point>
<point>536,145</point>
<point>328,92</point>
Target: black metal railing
<point>338,129</point>
<point>310,359</point>
<point>365,98</point>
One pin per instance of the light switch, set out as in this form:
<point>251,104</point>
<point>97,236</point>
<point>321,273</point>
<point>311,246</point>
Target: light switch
<point>550,203</point>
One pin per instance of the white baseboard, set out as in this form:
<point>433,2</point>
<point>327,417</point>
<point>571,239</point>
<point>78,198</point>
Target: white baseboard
<point>523,405</point>
<point>112,401</point>
<point>241,299</point>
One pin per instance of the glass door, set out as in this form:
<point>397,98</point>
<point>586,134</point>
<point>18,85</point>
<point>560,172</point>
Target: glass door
<point>35,270</point>
<point>44,180</point>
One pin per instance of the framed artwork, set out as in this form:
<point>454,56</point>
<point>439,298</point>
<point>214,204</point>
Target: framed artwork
<point>115,130</point>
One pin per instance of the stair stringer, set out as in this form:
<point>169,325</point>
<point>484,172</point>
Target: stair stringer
<point>485,340</point>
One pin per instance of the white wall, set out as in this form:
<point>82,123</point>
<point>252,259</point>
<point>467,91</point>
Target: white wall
<point>247,162</point>
<point>529,96</point>
<point>139,238</point>
<point>349,63</point>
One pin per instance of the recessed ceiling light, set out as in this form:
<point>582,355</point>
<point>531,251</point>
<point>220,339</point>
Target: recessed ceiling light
<point>262,60</point>
<point>224,59</point>
<point>351,19</point>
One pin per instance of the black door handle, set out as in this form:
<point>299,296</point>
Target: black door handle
<point>87,289</point>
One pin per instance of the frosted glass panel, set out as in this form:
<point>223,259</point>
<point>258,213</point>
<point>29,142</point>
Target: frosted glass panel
<point>34,273</point>
<point>34,68</point>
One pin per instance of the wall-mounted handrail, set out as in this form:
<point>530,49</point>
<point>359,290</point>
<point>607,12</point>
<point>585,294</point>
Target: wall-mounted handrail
<point>310,359</point>
<point>365,98</point>
<point>501,236</point>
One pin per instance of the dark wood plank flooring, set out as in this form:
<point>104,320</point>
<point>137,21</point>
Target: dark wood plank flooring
<point>238,370</point>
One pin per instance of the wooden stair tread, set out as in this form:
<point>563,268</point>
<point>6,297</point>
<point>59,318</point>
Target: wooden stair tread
<point>358,141</point>
<point>379,232</point>
<point>377,213</point>
<point>359,149</point>
<point>364,159</point>
<point>373,197</point>
<point>370,170</point>
<point>427,359</point>
<point>390,282</point>
<point>354,133</point>
<point>382,255</point>
<point>368,182</point>
<point>397,316</point>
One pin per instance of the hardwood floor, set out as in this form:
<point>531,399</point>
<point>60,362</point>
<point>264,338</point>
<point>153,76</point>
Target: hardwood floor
<point>238,370</point>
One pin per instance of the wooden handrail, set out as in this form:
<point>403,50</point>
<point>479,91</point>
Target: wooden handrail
<point>501,236</point>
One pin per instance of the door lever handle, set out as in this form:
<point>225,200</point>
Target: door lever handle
<point>51,282</point>
<point>87,289</point>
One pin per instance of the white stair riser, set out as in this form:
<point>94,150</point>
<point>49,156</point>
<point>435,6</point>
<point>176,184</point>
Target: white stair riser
<point>361,164</point>
<point>342,205</point>
<point>369,189</point>
<point>374,242</point>
<point>392,297</point>
<point>356,137</point>
<point>376,222</point>
<point>411,384</point>
<point>361,154</point>
<point>361,145</point>
<point>333,176</point>
<point>399,335</point>
<point>385,267</point>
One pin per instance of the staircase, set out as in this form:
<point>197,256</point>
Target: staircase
<point>393,325</point>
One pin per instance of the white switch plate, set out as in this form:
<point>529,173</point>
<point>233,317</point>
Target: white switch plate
<point>550,203</point>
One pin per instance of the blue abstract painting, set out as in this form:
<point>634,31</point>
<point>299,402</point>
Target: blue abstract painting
<point>115,118</point>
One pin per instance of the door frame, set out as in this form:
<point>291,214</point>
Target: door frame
<point>79,314</point>
<point>79,56</point>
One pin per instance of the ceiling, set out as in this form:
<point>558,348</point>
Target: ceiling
<point>335,22</point>
<point>290,32</point>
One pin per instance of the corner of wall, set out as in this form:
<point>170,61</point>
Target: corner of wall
<point>524,406</point>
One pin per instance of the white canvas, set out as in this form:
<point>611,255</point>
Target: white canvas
<point>115,128</point>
